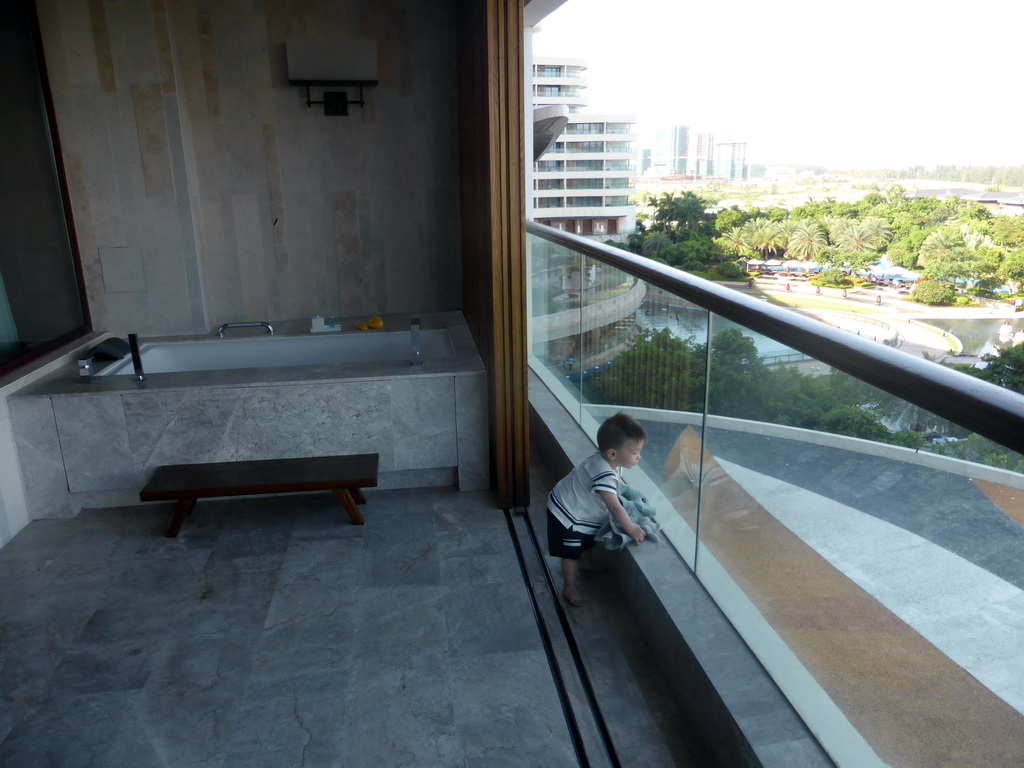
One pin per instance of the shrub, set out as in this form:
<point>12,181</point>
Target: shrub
<point>833,278</point>
<point>729,269</point>
<point>854,422</point>
<point>932,293</point>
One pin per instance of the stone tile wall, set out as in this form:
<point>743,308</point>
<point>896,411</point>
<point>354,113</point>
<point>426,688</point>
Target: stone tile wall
<point>205,191</point>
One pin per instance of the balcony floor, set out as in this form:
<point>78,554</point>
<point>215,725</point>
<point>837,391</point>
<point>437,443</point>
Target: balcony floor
<point>272,632</point>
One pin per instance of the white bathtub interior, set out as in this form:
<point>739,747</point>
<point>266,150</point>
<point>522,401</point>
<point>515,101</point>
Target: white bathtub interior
<point>214,354</point>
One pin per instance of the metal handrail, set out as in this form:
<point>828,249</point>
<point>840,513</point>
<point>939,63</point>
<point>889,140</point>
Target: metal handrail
<point>979,406</point>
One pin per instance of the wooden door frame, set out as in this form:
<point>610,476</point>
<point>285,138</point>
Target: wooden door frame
<point>493,232</point>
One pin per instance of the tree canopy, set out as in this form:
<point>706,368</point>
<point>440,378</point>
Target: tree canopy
<point>945,240</point>
<point>665,372</point>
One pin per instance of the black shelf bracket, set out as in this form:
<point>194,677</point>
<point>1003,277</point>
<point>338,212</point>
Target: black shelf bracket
<point>335,102</point>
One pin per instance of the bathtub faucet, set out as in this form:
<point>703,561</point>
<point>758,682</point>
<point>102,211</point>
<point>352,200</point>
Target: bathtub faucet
<point>268,326</point>
<point>414,335</point>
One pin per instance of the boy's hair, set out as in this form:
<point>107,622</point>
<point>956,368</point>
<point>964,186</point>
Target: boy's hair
<point>618,429</point>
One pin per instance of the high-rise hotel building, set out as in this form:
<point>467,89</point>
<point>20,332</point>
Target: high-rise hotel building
<point>583,182</point>
<point>671,153</point>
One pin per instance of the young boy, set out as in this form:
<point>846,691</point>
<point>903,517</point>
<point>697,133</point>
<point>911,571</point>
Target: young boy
<point>580,502</point>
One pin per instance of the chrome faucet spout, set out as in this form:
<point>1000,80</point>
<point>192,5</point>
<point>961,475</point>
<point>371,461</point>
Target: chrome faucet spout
<point>133,345</point>
<point>414,335</point>
<point>268,326</point>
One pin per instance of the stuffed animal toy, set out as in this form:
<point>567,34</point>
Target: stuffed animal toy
<point>639,511</point>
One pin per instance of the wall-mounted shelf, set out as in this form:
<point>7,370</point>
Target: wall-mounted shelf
<point>335,102</point>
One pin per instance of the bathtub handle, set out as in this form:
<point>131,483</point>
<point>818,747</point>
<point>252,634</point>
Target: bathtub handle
<point>268,326</point>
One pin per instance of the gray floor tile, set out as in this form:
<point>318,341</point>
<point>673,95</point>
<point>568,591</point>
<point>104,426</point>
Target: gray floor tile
<point>504,705</point>
<point>273,632</point>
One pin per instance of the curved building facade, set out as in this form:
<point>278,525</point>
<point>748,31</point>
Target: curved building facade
<point>584,181</point>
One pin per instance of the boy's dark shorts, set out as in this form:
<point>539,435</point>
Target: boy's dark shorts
<point>565,543</point>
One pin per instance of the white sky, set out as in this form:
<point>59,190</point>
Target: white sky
<point>878,83</point>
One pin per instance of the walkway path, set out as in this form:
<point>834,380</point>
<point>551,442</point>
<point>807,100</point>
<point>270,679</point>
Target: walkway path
<point>911,321</point>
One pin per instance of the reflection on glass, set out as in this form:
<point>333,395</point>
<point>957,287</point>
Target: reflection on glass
<point>869,552</point>
<point>645,356</point>
<point>554,307</point>
<point>858,558</point>
<point>40,301</point>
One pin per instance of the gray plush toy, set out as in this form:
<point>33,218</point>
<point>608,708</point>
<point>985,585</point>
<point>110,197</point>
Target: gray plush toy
<point>639,511</point>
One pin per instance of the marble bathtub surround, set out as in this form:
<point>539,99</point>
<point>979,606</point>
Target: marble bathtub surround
<point>96,444</point>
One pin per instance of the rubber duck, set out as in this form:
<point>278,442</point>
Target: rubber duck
<point>376,322</point>
<point>361,326</point>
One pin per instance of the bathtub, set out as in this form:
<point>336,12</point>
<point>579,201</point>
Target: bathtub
<point>95,442</point>
<point>215,354</point>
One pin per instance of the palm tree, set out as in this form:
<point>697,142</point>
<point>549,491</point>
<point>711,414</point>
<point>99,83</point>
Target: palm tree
<point>662,217</point>
<point>783,233</point>
<point>975,240</point>
<point>688,209</point>
<point>734,241</point>
<point>881,232</point>
<point>806,240</point>
<point>941,242</point>
<point>760,234</point>
<point>655,244</point>
<point>856,237</point>
<point>835,227</point>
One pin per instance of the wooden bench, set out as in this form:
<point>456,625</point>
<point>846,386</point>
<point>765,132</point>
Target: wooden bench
<point>345,476</point>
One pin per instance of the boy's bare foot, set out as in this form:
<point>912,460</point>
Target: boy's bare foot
<point>573,597</point>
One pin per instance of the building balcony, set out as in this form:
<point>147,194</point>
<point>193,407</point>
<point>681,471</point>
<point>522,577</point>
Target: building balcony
<point>590,211</point>
<point>586,154</point>
<point>562,81</point>
<point>606,135</point>
<point>569,101</point>
<point>843,600</point>
<point>572,173</point>
<point>276,633</point>
<point>858,586</point>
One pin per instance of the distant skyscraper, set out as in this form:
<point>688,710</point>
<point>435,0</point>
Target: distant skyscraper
<point>702,154</point>
<point>731,160</point>
<point>671,154</point>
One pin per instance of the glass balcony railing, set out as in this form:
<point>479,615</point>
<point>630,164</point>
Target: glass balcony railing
<point>855,511</point>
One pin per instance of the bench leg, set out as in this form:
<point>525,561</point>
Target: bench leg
<point>183,510</point>
<point>343,495</point>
